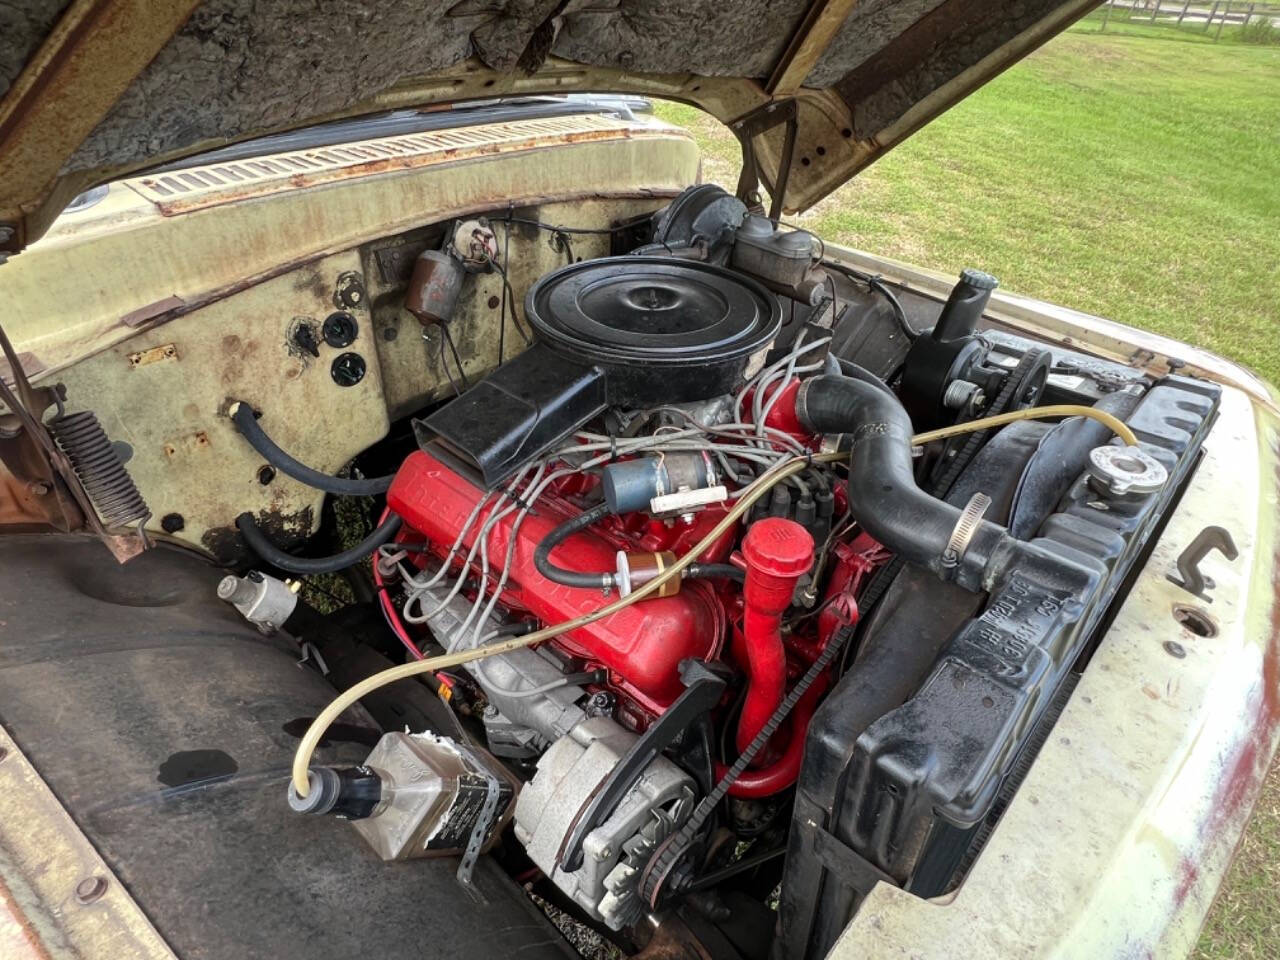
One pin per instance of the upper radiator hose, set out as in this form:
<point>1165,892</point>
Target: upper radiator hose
<point>883,495</point>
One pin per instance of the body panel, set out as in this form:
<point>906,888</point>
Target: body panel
<point>231,267</point>
<point>57,895</point>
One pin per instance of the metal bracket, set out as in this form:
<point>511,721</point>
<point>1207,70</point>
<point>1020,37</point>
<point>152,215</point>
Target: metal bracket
<point>746,129</point>
<point>479,833</point>
<point>854,870</point>
<point>1189,577</point>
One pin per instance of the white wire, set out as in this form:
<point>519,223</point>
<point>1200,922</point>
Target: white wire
<point>762,411</point>
<point>773,399</point>
<point>416,594</point>
<point>536,486</point>
<point>781,362</point>
<point>522,504</point>
<point>412,581</point>
<point>758,444</point>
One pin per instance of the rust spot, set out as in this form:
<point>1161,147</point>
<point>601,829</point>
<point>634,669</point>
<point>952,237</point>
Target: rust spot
<point>1188,874</point>
<point>189,444</point>
<point>152,311</point>
<point>231,343</point>
<point>191,411</point>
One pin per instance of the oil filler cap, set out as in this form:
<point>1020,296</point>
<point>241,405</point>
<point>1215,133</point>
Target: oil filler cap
<point>778,547</point>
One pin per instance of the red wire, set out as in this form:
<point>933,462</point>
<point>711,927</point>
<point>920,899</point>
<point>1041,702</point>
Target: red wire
<point>388,608</point>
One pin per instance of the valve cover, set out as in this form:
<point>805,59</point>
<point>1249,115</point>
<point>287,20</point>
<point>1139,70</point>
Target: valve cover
<point>641,645</point>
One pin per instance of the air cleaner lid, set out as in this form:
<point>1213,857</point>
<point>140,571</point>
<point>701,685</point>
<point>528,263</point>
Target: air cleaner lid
<point>656,314</point>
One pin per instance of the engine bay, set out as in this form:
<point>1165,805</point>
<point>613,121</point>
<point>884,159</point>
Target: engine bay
<point>741,581</point>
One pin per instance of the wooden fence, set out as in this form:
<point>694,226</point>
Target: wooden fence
<point>1207,16</point>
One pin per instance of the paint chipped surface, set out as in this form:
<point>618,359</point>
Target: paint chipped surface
<point>45,857</point>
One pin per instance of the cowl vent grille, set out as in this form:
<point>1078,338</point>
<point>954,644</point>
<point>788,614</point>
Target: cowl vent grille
<point>197,187</point>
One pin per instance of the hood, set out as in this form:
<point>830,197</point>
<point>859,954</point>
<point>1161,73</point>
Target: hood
<point>94,89</point>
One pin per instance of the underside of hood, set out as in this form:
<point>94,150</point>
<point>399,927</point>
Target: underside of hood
<point>93,89</point>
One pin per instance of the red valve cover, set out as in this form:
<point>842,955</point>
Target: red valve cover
<point>641,645</point>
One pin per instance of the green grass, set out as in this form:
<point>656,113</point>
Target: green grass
<point>1137,179</point>
<point>1126,175</point>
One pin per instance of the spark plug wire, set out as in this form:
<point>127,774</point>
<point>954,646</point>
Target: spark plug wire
<point>750,494</point>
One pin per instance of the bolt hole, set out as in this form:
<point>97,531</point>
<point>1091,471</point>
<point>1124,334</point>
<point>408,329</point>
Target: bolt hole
<point>1195,620</point>
<point>988,702</point>
<point>266,473</point>
<point>805,161</point>
<point>846,133</point>
<point>820,151</point>
<point>493,303</point>
<point>488,83</point>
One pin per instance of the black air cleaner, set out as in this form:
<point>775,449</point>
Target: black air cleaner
<point>629,332</point>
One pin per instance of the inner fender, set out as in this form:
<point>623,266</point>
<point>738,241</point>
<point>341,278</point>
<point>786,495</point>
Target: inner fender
<point>166,726</point>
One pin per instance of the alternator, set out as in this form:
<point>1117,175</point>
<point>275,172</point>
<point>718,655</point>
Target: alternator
<point>569,773</point>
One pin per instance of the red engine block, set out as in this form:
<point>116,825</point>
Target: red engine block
<point>641,645</point>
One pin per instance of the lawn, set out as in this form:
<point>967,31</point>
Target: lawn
<point>1133,176</point>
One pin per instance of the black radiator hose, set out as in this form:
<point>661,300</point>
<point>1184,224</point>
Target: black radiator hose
<point>269,552</point>
<point>242,416</point>
<point>883,495</point>
<point>840,367</point>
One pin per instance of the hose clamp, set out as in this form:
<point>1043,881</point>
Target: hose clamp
<point>964,530</point>
<point>801,407</point>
